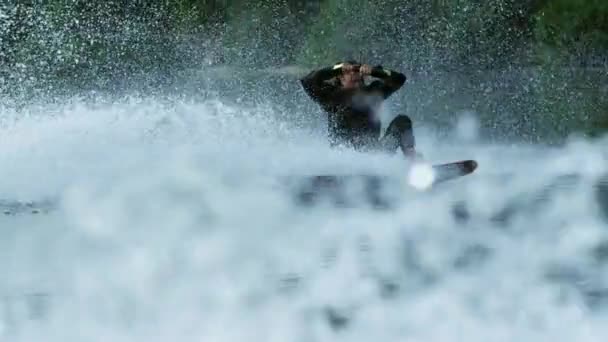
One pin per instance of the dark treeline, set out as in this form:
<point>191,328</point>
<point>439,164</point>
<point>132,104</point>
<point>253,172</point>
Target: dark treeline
<point>65,46</point>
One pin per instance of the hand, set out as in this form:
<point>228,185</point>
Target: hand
<point>347,68</point>
<point>365,70</point>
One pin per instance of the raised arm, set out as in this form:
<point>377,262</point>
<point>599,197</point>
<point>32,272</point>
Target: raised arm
<point>390,82</point>
<point>315,83</point>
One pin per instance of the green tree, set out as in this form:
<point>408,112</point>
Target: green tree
<point>572,31</point>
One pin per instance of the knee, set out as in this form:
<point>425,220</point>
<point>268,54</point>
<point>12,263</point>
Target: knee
<point>403,123</point>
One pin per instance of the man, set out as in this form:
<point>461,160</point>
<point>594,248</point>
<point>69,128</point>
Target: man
<point>353,106</point>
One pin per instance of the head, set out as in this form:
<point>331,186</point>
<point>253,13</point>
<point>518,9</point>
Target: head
<point>352,79</point>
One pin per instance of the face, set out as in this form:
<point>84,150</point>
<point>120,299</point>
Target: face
<point>351,80</point>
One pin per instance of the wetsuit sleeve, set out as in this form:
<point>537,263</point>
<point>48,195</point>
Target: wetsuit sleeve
<point>315,86</point>
<point>390,82</point>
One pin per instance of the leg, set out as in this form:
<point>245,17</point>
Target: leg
<point>400,134</point>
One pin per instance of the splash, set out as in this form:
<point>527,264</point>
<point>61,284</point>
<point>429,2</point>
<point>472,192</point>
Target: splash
<point>170,224</point>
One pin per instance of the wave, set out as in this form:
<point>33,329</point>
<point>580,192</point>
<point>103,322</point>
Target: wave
<point>166,221</point>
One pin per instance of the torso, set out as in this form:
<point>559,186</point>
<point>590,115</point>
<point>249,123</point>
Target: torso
<point>354,116</point>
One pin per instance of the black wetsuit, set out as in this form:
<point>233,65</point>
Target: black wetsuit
<point>353,114</point>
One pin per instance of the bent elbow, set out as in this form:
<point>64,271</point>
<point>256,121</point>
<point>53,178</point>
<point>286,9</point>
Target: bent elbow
<point>305,82</point>
<point>307,85</point>
<point>400,79</point>
<point>309,88</point>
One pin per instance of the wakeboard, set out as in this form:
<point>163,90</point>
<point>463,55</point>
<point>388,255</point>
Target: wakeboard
<point>420,176</point>
<point>452,170</point>
<point>437,173</point>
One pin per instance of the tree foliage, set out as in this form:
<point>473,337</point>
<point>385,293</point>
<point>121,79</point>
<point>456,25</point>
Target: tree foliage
<point>49,46</point>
